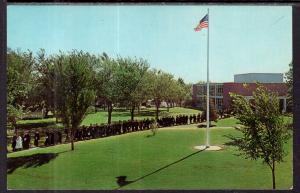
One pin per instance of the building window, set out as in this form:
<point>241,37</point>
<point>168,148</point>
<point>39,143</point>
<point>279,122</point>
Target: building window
<point>219,90</point>
<point>219,103</point>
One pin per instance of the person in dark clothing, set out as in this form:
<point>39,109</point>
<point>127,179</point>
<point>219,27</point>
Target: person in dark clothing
<point>67,134</point>
<point>14,142</point>
<point>47,139</point>
<point>80,134</point>
<point>191,119</point>
<point>59,136</point>
<point>36,139</point>
<point>26,141</point>
<point>51,138</point>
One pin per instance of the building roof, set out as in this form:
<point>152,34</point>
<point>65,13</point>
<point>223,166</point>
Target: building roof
<point>259,77</point>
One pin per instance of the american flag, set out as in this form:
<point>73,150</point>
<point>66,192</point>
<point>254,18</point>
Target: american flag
<point>202,24</point>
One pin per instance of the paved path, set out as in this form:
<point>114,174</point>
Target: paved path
<point>195,127</point>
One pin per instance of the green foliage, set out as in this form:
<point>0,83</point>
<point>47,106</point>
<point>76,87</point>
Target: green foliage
<point>19,82</point>
<point>129,82</point>
<point>129,75</point>
<point>263,132</point>
<point>159,87</point>
<point>289,82</point>
<point>74,87</point>
<point>43,94</point>
<point>13,114</point>
<point>39,83</point>
<point>106,79</point>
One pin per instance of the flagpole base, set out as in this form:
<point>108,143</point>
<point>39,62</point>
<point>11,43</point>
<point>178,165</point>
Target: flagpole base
<point>208,148</point>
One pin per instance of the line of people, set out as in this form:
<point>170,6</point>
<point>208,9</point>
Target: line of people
<point>20,142</point>
<point>53,137</point>
<point>179,120</point>
<point>117,128</point>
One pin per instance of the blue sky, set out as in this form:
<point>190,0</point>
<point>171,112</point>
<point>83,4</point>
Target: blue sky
<point>243,39</point>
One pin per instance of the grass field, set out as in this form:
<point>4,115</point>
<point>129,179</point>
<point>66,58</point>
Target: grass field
<point>101,117</point>
<point>137,161</point>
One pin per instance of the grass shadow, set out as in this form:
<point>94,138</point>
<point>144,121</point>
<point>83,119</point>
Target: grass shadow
<point>121,180</point>
<point>204,125</point>
<point>34,160</point>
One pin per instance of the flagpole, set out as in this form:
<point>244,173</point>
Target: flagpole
<point>207,87</point>
<point>207,146</point>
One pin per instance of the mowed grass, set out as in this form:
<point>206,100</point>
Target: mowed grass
<point>121,115</point>
<point>164,161</point>
<point>101,117</point>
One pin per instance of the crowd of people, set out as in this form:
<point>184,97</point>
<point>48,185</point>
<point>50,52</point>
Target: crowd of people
<point>178,120</point>
<point>20,142</point>
<point>53,137</point>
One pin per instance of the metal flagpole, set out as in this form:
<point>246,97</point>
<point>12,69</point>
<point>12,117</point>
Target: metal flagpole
<point>207,87</point>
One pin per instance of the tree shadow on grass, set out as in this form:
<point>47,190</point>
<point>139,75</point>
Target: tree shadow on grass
<point>34,160</point>
<point>121,180</point>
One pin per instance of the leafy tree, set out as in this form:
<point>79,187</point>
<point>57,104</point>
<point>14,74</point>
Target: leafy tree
<point>19,82</point>
<point>74,88</point>
<point>159,89</point>
<point>106,83</point>
<point>263,132</point>
<point>129,79</point>
<point>183,91</point>
<point>188,93</point>
<point>289,82</point>
<point>42,95</point>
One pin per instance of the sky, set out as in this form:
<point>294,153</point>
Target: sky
<point>242,39</point>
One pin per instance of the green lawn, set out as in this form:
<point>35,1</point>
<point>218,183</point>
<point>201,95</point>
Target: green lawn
<point>47,120</point>
<point>165,161</point>
<point>101,117</point>
<point>228,122</point>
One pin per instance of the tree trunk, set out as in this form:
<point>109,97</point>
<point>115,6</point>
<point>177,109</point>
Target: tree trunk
<point>139,108</point>
<point>132,112</point>
<point>72,139</point>
<point>157,109</point>
<point>45,115</point>
<point>109,110</point>
<point>168,107</point>
<point>273,175</point>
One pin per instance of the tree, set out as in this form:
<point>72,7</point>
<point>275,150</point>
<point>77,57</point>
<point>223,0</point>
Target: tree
<point>74,88</point>
<point>289,82</point>
<point>129,75</point>
<point>106,82</point>
<point>19,83</point>
<point>188,94</point>
<point>183,91</point>
<point>213,116</point>
<point>263,132</point>
<point>159,88</point>
<point>42,95</point>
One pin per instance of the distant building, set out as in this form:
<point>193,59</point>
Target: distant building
<point>259,77</point>
<point>244,84</point>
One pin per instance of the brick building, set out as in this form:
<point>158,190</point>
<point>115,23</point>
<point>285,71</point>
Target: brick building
<point>244,84</point>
